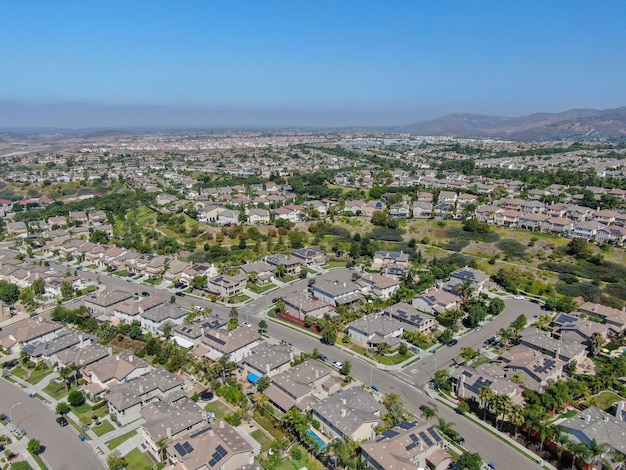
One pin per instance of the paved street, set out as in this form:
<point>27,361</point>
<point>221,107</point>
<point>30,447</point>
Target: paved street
<point>64,450</point>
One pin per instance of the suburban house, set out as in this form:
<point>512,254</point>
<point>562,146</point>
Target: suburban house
<point>65,339</point>
<point>154,319</point>
<point>535,368</point>
<point>216,446</point>
<point>436,301</point>
<point>386,258</point>
<point>311,256</point>
<point>35,330</point>
<point>374,329</point>
<point>187,336</point>
<point>409,315</point>
<point>114,370</point>
<point>596,425</point>
<point>268,359</point>
<point>226,285</point>
<point>292,265</point>
<point>303,304</point>
<point>411,444</point>
<point>476,279</point>
<point>566,351</point>
<point>467,382</point>
<point>105,302</point>
<point>170,419</point>
<point>126,400</point>
<point>236,343</point>
<point>336,289</point>
<point>259,216</point>
<point>614,317</point>
<point>378,286</point>
<point>350,413</point>
<point>298,385</point>
<point>259,272</point>
<point>576,329</point>
<point>82,357</point>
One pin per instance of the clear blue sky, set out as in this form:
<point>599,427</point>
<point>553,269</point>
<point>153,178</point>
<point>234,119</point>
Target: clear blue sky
<point>341,62</point>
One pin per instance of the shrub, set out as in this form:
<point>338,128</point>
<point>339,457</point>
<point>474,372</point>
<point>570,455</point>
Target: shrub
<point>586,290</point>
<point>76,398</point>
<point>512,248</point>
<point>616,290</point>
<point>387,234</point>
<point>456,245</point>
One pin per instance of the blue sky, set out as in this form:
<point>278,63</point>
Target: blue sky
<point>297,63</point>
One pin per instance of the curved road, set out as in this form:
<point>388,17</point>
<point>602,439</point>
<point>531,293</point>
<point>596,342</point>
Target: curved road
<point>63,449</point>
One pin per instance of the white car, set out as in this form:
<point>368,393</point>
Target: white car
<point>247,324</point>
<point>518,297</point>
<point>337,364</point>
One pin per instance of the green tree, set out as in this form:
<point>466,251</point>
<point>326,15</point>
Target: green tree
<point>67,290</point>
<point>470,461</point>
<point>263,326</point>
<point>519,323</point>
<point>496,306</point>
<point>33,446</point>
<point>263,383</point>
<point>442,380</point>
<point>396,411</point>
<point>62,408</point>
<point>38,287</point>
<point>486,396</point>
<point>9,293</point>
<point>198,282</point>
<point>329,335</point>
<point>115,461</point>
<point>346,368</point>
<point>76,398</point>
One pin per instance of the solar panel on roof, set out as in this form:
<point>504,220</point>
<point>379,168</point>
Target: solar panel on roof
<point>434,434</point>
<point>414,438</point>
<point>179,448</point>
<point>390,433</point>
<point>411,446</point>
<point>188,447</point>
<point>426,439</point>
<point>407,425</point>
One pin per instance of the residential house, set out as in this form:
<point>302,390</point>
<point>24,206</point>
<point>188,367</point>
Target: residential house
<point>47,350</point>
<point>226,285</point>
<point>613,234</point>
<point>507,218</point>
<point>557,225</point>
<point>35,330</point>
<point>436,301</point>
<point>534,367</point>
<point>298,385</point>
<point>477,279</point>
<point>114,370</point>
<point>260,272</point>
<point>259,216</point>
<point>153,320</point>
<point>268,359</point>
<point>409,315</point>
<point>386,258</point>
<point>126,400</point>
<point>400,210</point>
<point>236,344</point>
<point>594,425</point>
<point>567,351</point>
<point>614,317</point>
<point>82,356</point>
<point>170,420</point>
<point>532,221</point>
<point>311,256</point>
<point>605,216</point>
<point>336,289</point>
<point>217,446</point>
<point>378,286</point>
<point>188,336</point>
<point>574,328</point>
<point>411,444</point>
<point>104,303</point>
<point>292,265</point>
<point>467,382</point>
<point>374,329</point>
<point>290,213</point>
<point>228,217</point>
<point>422,209</point>
<point>352,413</point>
<point>355,207</point>
<point>303,304</point>
<point>586,230</point>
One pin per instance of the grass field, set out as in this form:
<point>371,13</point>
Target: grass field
<point>119,440</point>
<point>218,408</point>
<point>137,460</point>
<point>38,375</point>
<point>103,428</point>
<point>56,389</point>
<point>262,439</point>
<point>606,398</point>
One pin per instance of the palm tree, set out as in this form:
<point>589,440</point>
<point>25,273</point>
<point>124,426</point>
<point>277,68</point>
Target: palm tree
<point>444,426</point>
<point>596,450</point>
<point>486,395</point>
<point>503,404</point>
<point>562,441</point>
<point>517,377</point>
<point>596,341</point>
<point>516,417</point>
<point>64,373</point>
<point>465,289</point>
<point>578,450</point>
<point>428,412</point>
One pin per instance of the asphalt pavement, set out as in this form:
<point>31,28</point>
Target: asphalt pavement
<point>63,448</point>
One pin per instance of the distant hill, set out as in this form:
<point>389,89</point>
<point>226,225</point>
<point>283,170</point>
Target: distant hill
<point>572,124</point>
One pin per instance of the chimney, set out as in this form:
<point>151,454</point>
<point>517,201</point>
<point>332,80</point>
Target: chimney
<point>343,412</point>
<point>221,424</point>
<point>131,358</point>
<point>168,431</point>
<point>80,339</point>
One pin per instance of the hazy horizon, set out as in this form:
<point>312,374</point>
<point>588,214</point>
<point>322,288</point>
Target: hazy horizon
<point>292,64</point>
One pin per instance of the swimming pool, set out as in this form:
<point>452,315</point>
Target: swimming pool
<point>320,442</point>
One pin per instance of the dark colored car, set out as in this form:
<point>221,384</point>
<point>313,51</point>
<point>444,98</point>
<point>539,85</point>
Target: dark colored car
<point>180,294</point>
<point>145,294</point>
<point>62,421</point>
<point>453,342</point>
<point>323,357</point>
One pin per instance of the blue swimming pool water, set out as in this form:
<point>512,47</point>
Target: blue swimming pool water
<point>316,438</point>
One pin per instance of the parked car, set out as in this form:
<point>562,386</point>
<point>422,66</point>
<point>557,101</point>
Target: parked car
<point>374,387</point>
<point>518,297</point>
<point>246,324</point>
<point>62,421</point>
<point>337,364</point>
<point>145,294</point>
<point>323,357</point>
<point>453,342</point>
<point>180,294</point>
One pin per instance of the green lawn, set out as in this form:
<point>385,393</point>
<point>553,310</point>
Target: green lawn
<point>260,289</point>
<point>606,398</point>
<point>235,299</point>
<point>137,460</point>
<point>103,428</point>
<point>116,442</point>
<point>21,466</point>
<point>393,359</point>
<point>262,439</point>
<point>335,264</point>
<point>122,273</point>
<point>152,281</point>
<point>218,408</point>
<point>56,390</point>
<point>38,375</point>
<point>19,372</point>
<point>85,410</point>
<point>92,266</point>
<point>305,462</point>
